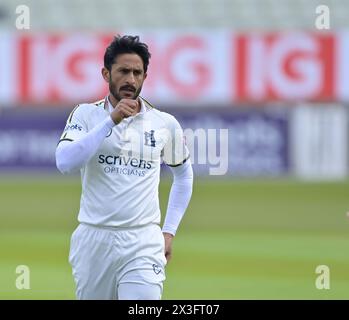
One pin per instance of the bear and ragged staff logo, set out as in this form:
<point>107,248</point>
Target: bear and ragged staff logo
<point>149,138</point>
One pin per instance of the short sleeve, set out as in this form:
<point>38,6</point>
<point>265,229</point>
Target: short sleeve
<point>175,151</point>
<point>75,125</point>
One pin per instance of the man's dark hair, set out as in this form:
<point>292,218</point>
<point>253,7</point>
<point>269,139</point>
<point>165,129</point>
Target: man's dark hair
<point>126,44</point>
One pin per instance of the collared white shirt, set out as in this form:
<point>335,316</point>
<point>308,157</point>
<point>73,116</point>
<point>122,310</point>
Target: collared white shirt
<point>120,182</point>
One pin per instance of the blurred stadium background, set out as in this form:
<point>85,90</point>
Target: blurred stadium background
<point>258,68</point>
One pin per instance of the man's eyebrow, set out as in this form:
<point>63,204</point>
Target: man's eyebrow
<point>129,68</point>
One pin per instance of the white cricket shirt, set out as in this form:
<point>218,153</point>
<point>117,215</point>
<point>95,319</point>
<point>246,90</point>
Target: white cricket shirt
<point>120,182</point>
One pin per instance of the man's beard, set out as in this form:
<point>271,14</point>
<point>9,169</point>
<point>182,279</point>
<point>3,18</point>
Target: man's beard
<point>116,95</point>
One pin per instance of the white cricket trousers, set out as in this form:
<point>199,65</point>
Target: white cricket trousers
<point>118,263</point>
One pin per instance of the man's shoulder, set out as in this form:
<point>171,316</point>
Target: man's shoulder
<point>166,118</point>
<point>163,116</point>
<point>86,107</point>
<point>91,106</point>
<point>170,120</point>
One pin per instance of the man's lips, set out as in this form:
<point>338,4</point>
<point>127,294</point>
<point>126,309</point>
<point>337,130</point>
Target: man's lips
<point>128,89</point>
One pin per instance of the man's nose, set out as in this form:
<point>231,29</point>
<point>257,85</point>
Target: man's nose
<point>130,78</point>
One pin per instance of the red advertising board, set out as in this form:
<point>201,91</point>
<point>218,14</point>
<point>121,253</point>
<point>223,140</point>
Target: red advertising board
<point>202,68</point>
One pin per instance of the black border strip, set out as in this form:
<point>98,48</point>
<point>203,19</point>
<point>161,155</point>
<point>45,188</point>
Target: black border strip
<point>179,164</point>
<point>65,139</point>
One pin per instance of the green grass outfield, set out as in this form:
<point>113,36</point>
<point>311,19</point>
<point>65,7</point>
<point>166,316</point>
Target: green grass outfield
<point>239,239</point>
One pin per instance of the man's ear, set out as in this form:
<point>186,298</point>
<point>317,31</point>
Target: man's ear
<point>145,76</point>
<point>105,74</point>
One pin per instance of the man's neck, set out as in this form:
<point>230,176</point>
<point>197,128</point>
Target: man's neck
<point>113,101</point>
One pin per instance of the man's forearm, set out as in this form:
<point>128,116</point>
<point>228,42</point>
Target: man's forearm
<point>72,155</point>
<point>179,198</point>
